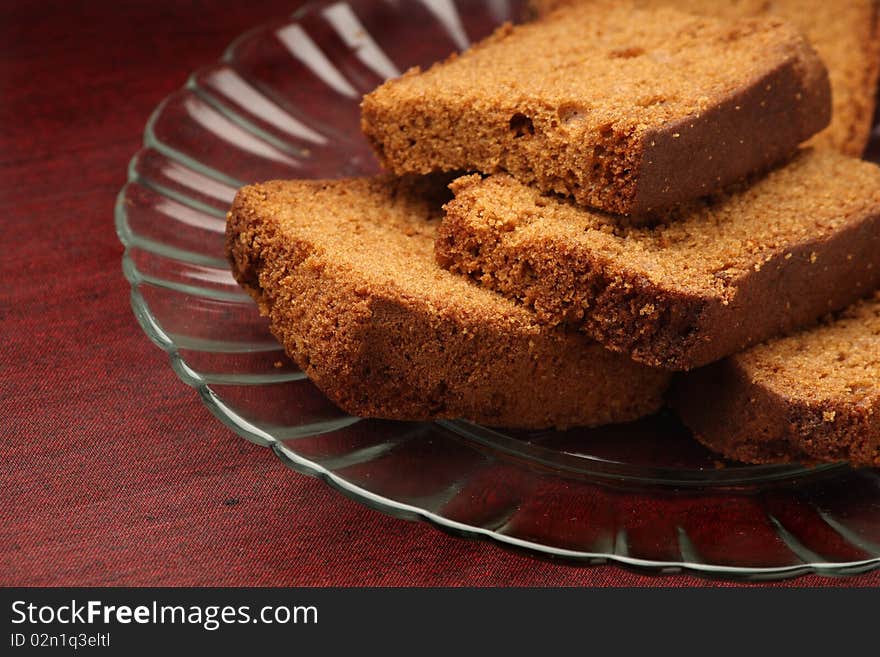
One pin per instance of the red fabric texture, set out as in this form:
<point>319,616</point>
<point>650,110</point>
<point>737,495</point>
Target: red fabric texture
<point>113,472</point>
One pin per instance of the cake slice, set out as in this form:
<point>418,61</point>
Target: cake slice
<point>629,111</point>
<point>715,277</point>
<point>345,272</point>
<point>845,34</point>
<point>812,396</point>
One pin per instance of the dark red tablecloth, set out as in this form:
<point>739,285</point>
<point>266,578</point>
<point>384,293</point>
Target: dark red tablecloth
<point>112,471</point>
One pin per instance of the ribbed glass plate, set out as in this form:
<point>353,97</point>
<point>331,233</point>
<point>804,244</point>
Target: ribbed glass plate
<point>283,103</point>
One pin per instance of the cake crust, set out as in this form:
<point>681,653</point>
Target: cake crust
<point>344,270</point>
<point>710,280</point>
<point>626,110</point>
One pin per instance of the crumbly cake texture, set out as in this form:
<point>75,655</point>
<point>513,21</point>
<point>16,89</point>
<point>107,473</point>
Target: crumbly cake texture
<point>626,110</point>
<point>345,272</point>
<point>845,34</point>
<point>715,277</point>
<point>811,397</point>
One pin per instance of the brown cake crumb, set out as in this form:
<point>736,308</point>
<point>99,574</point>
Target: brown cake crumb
<point>845,34</point>
<point>712,279</point>
<point>345,272</point>
<point>625,110</point>
<point>813,396</point>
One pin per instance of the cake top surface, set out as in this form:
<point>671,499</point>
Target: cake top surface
<point>845,34</point>
<point>378,234</point>
<point>602,62</point>
<point>705,247</point>
<point>840,359</point>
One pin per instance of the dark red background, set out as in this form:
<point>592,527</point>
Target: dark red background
<point>112,471</point>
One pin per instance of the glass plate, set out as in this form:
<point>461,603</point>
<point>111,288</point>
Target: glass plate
<point>283,103</point>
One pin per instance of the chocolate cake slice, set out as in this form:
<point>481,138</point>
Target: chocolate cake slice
<point>625,110</point>
<point>345,272</point>
<point>715,277</point>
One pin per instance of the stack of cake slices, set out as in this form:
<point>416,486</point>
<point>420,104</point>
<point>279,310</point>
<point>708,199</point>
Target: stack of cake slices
<point>612,207</point>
